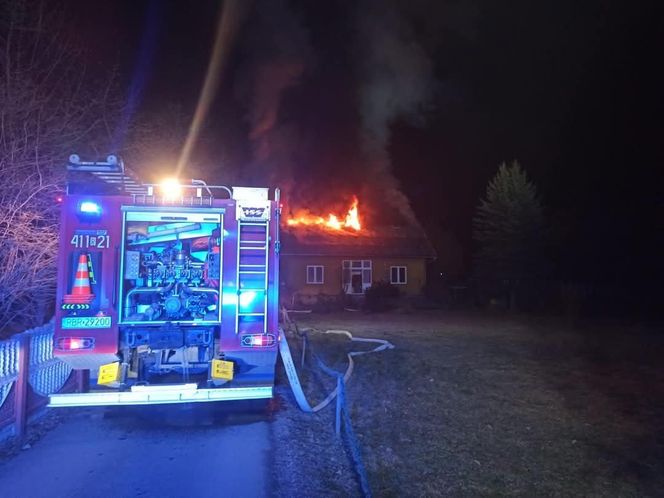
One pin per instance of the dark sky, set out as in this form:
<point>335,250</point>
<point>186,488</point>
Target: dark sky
<point>570,89</point>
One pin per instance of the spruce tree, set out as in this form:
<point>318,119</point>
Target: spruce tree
<point>509,231</point>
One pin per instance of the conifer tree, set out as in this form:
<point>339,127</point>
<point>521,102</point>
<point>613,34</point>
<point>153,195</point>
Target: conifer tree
<point>509,230</point>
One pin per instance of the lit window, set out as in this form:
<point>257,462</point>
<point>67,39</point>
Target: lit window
<point>315,274</point>
<point>356,276</point>
<point>398,275</point>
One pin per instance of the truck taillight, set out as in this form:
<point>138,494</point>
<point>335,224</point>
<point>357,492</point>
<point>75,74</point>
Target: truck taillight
<point>75,343</point>
<point>258,340</point>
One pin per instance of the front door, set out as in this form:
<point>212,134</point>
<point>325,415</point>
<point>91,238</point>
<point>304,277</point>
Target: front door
<point>356,276</point>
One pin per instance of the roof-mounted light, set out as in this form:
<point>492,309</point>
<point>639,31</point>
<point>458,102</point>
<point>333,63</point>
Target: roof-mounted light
<point>171,188</point>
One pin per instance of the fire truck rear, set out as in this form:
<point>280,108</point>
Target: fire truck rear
<point>166,293</point>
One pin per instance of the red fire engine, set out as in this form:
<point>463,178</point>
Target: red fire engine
<point>166,293</point>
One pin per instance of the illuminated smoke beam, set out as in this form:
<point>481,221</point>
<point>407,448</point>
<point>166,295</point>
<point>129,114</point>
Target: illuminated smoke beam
<point>230,18</point>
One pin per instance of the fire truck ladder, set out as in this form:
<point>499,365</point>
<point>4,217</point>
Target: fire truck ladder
<point>85,175</point>
<point>252,277</point>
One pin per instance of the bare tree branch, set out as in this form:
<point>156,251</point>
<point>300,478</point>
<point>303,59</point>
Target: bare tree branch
<point>49,108</point>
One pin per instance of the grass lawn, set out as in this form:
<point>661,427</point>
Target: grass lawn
<point>473,404</point>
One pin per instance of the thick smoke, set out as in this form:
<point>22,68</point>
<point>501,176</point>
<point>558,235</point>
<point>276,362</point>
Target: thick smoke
<point>276,53</point>
<point>395,83</point>
<point>320,126</point>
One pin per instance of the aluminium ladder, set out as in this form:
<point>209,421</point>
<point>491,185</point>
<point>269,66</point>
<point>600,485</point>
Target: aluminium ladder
<point>252,277</point>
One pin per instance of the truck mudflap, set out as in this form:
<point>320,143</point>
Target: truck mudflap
<point>159,395</point>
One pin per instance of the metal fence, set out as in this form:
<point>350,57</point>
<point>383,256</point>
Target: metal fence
<point>28,374</point>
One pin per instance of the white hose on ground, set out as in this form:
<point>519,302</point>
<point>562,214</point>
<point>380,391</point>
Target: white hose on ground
<point>292,373</point>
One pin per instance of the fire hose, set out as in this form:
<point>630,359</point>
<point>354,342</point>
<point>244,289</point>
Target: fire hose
<point>339,391</point>
<point>291,372</point>
<point>294,380</point>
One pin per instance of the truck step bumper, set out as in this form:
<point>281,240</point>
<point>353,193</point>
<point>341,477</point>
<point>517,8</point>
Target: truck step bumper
<point>159,395</point>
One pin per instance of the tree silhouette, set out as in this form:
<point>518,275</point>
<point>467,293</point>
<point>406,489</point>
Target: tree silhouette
<point>509,230</point>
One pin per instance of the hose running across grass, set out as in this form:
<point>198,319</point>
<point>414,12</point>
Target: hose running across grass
<point>293,378</point>
<point>338,392</point>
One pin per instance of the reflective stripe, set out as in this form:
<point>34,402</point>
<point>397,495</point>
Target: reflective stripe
<point>156,395</point>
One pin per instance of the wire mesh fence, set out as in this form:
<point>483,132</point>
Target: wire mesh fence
<point>29,373</point>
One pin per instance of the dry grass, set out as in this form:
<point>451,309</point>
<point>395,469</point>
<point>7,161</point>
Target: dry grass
<point>479,405</point>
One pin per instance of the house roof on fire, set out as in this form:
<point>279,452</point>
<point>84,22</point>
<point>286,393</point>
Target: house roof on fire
<point>385,242</point>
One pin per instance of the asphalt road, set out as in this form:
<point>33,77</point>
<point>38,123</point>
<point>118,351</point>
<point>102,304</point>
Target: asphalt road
<point>170,451</point>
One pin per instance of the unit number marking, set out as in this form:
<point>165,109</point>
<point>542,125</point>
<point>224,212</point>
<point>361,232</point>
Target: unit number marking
<point>86,241</point>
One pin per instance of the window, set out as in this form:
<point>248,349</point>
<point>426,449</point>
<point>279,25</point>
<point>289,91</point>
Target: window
<point>398,274</point>
<point>356,275</point>
<point>315,274</point>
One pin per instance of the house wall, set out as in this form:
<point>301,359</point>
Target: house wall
<point>294,274</point>
<point>416,273</point>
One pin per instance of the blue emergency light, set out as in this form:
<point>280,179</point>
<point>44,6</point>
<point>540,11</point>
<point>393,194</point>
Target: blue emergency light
<point>89,211</point>
<point>89,207</point>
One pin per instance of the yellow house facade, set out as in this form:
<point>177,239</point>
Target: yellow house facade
<point>315,264</point>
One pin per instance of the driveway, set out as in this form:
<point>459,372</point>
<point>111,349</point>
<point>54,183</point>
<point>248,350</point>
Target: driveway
<point>187,450</point>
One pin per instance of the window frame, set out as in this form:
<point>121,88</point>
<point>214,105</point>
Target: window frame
<point>362,267</point>
<point>405,275</point>
<point>322,275</point>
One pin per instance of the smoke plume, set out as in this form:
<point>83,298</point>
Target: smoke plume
<point>320,126</point>
<point>276,53</point>
<point>395,83</point>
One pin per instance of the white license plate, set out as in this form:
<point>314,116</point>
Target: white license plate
<point>86,322</point>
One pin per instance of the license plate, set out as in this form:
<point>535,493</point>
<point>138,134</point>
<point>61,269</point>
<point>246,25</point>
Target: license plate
<point>86,322</point>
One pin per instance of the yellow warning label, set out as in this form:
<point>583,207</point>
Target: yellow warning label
<point>109,373</point>
<point>222,369</point>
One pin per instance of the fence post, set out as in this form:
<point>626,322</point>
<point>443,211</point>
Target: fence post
<point>21,386</point>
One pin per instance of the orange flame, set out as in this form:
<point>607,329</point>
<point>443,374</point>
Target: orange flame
<point>333,222</point>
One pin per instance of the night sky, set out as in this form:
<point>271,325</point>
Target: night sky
<point>572,90</point>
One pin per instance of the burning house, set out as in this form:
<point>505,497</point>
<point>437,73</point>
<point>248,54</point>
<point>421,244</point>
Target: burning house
<point>324,256</point>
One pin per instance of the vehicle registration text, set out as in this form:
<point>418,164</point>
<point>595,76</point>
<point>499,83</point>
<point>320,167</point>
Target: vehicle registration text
<point>86,322</point>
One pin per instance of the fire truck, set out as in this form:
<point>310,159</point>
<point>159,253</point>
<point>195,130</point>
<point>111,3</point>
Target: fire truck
<point>166,293</point>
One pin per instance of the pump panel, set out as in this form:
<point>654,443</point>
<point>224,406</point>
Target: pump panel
<point>171,266</point>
